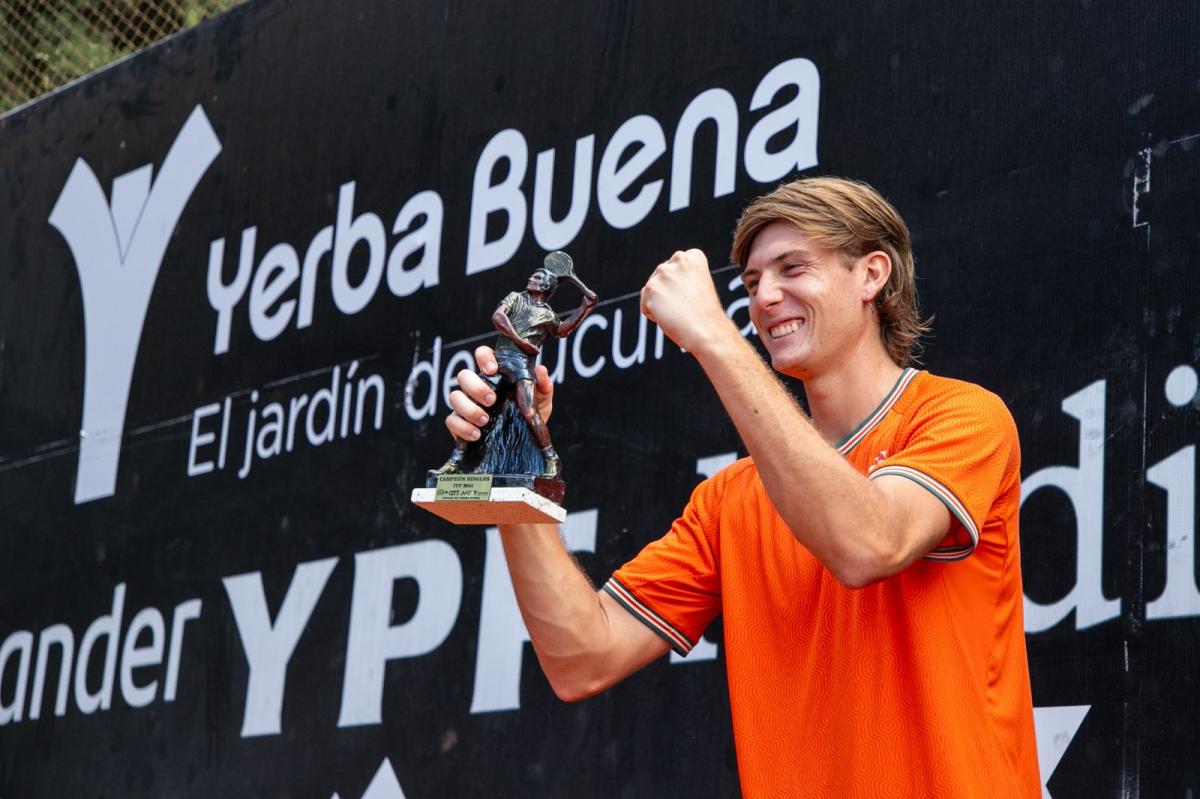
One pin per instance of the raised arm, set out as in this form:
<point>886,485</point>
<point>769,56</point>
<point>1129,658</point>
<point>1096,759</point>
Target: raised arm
<point>584,640</point>
<point>567,326</point>
<point>862,530</point>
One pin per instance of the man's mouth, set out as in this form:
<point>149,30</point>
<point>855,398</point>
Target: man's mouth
<point>785,328</point>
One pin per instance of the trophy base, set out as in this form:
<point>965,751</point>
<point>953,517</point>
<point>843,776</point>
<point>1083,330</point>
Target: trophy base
<point>504,506</point>
<point>509,499</point>
<point>553,490</point>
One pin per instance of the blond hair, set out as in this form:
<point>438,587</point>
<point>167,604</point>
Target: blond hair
<point>852,218</point>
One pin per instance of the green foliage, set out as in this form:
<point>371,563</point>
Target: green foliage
<point>47,43</point>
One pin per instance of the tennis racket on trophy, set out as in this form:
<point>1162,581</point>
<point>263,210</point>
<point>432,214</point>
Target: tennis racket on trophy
<point>559,264</point>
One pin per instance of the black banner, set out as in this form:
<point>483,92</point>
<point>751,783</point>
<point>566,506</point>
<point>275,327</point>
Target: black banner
<point>240,270</point>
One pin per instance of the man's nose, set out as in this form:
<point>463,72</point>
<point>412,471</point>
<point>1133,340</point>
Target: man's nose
<point>768,291</point>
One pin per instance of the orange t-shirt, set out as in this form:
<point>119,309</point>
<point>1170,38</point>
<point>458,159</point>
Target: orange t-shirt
<point>914,686</point>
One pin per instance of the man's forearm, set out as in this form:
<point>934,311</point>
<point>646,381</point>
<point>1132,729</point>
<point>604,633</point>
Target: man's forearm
<point>830,508</point>
<point>567,326</point>
<point>562,611</point>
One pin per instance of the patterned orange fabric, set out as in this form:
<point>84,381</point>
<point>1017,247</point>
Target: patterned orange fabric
<point>915,686</point>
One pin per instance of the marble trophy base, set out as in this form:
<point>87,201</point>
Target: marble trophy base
<point>512,499</point>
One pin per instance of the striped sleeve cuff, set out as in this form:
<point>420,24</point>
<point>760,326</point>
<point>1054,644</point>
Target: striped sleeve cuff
<point>643,613</point>
<point>947,498</point>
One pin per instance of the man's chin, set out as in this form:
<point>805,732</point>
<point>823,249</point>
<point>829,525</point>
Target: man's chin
<point>788,364</point>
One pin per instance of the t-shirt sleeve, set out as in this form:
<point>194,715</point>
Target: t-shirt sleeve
<point>509,302</point>
<point>672,585</point>
<point>961,449</point>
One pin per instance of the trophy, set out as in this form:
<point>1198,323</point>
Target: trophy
<point>512,474</point>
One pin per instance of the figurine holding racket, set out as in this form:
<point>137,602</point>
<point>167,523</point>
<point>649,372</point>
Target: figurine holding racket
<point>524,320</point>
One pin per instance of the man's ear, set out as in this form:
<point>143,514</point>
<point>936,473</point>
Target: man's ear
<point>877,268</point>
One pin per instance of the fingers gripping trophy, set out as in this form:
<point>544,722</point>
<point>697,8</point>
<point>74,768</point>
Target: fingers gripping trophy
<point>512,472</point>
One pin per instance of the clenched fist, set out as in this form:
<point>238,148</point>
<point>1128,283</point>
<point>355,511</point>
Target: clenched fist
<point>681,299</point>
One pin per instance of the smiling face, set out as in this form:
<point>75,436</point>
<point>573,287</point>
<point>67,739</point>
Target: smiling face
<point>540,281</point>
<point>813,312</point>
<point>850,217</point>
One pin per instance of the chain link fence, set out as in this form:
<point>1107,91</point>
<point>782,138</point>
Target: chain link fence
<point>47,43</point>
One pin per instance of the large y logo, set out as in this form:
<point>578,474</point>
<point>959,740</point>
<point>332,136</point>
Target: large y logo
<point>118,248</point>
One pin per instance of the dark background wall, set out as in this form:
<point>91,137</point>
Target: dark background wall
<point>328,634</point>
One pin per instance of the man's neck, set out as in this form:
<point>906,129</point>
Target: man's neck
<point>840,399</point>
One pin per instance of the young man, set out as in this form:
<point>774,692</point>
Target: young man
<point>866,559</point>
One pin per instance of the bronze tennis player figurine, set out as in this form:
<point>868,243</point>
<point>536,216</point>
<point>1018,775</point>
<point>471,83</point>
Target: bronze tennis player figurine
<point>515,447</point>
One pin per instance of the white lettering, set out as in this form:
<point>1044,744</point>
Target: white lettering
<point>593,368</point>
<point>430,368</point>
<point>800,112</point>
<point>200,439</point>
<point>249,449</point>
<point>374,383</point>
<point>328,399</point>
<point>19,643</point>
<point>551,234</point>
<point>60,635</point>
<point>638,355</point>
<point>504,197</point>
<point>279,269</point>
<point>108,627</point>
<point>719,106</point>
<point>426,239</point>
<point>1084,488</point>
<point>134,656</point>
<point>118,250</point>
<point>271,430</point>
<point>269,645</point>
<point>135,653</point>
<point>270,434</point>
<point>368,228</point>
<point>294,407</point>
<point>224,447</point>
<point>1177,476</point>
<point>184,612</point>
<point>374,640</point>
<point>645,137</point>
<point>318,248</point>
<point>223,297</point>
